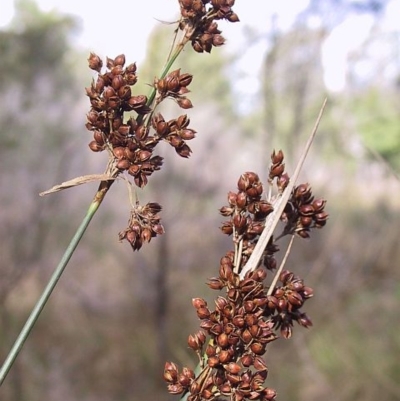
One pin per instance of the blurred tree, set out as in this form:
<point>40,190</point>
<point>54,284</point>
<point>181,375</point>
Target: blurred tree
<point>38,94</point>
<point>292,81</point>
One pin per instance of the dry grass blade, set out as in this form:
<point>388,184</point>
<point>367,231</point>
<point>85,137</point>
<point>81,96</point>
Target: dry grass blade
<point>77,181</point>
<point>282,265</point>
<point>279,205</point>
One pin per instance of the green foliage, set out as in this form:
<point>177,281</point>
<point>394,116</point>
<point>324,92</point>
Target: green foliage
<point>378,118</point>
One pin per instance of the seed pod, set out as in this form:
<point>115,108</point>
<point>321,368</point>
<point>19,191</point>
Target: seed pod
<point>241,200</point>
<point>130,79</point>
<point>257,348</point>
<point>220,303</point>
<point>286,276</point>
<point>286,331</point>
<point>119,152</point>
<point>123,164</point>
<point>213,361</point>
<point>144,155</point>
<point>185,79</point>
<point>117,82</point>
<point>282,304</point>
<point>199,303</point>
<point>98,136</point>
<point>95,62</point>
<point>224,356</point>
<point>218,40</point>
<point>247,360</point>
<point>319,205</point>
<point>193,342</point>
<point>170,372</point>
<point>125,92</point>
<point>203,313</point>
<point>188,372</point>
<point>277,158</point>
<point>304,320</point>
<point>120,60</point>
<point>184,103</point>
<point>306,221</point>
<point>233,379</point>
<point>187,134</point>
<point>302,191</point>
<point>233,368</point>
<point>183,151</point>
<point>134,169</point>
<point>276,171</point>
<point>246,336</point>
<point>260,364</point>
<point>295,298</point>
<point>307,292</point>
<point>306,210</point>
<point>227,228</point>
<point>222,340</point>
<point>172,81</point>
<point>233,17</point>
<point>184,381</point>
<point>109,92</point>
<point>161,85</point>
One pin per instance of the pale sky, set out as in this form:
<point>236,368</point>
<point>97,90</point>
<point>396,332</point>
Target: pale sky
<point>121,26</point>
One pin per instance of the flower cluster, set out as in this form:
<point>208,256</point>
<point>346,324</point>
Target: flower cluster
<point>234,337</point>
<point>303,212</point>
<point>144,224</point>
<point>248,211</point>
<point>239,330</point>
<point>199,16</point>
<point>285,302</point>
<point>131,142</point>
<point>174,86</point>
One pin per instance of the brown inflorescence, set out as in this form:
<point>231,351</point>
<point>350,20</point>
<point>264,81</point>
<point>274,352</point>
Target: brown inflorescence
<point>128,126</point>
<point>303,212</point>
<point>130,140</point>
<point>239,330</point>
<point>199,19</point>
<point>144,224</point>
<point>174,86</point>
<point>234,336</point>
<point>247,212</point>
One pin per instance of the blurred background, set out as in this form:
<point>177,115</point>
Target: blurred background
<point>117,316</point>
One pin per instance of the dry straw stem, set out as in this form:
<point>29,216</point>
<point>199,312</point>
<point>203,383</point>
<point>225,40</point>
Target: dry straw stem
<point>77,181</point>
<point>278,272</point>
<point>279,205</point>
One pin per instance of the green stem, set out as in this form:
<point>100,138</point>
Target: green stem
<point>164,72</point>
<point>33,317</point>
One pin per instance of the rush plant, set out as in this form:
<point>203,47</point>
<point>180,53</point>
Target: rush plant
<point>255,309</point>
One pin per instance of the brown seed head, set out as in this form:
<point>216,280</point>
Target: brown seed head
<point>95,62</point>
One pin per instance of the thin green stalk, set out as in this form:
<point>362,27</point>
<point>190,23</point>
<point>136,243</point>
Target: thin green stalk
<point>33,317</point>
<point>179,47</point>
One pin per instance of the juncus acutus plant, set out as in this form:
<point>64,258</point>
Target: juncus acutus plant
<point>260,300</point>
